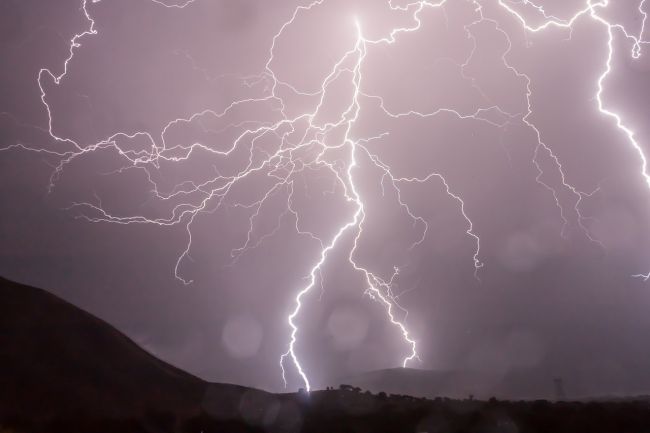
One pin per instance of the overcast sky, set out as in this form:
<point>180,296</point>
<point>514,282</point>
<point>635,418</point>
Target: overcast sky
<point>554,297</point>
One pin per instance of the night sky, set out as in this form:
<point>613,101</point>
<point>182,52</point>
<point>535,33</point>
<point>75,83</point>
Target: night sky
<point>99,206</point>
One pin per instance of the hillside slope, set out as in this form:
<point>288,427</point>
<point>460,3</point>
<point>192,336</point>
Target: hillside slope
<point>56,358</point>
<point>517,384</point>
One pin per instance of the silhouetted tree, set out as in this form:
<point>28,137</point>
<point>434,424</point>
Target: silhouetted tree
<point>344,387</point>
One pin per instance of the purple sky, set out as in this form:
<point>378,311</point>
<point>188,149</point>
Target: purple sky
<point>103,219</point>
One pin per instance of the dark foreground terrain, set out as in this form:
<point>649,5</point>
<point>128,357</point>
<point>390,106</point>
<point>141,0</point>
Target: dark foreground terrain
<point>63,370</point>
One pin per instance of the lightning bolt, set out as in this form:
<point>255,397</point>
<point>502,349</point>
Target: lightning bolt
<point>591,10</point>
<point>304,143</point>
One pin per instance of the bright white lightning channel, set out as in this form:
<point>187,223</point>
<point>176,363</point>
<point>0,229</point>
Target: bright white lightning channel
<point>292,158</point>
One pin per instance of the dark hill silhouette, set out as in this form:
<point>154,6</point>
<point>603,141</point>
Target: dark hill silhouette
<point>65,371</point>
<point>56,358</point>
<point>57,361</point>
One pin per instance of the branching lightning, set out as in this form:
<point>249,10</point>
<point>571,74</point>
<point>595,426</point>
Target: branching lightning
<point>303,143</point>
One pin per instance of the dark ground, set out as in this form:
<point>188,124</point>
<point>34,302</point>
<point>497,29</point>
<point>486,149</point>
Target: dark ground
<point>63,370</point>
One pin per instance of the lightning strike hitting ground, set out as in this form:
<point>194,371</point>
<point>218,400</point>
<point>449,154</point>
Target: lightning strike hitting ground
<point>296,153</point>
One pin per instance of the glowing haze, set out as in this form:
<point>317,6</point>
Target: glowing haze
<point>335,149</point>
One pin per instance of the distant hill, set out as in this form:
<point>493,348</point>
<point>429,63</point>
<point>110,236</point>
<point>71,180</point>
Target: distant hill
<point>516,384</point>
